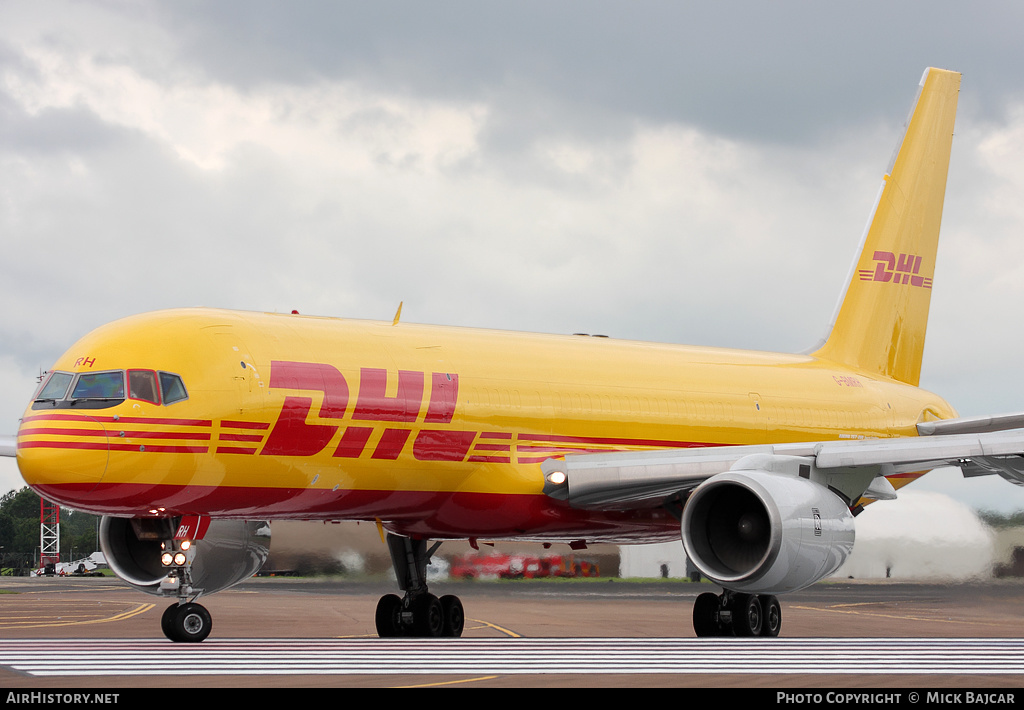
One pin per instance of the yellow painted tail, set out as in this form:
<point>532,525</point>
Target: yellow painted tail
<point>880,324</point>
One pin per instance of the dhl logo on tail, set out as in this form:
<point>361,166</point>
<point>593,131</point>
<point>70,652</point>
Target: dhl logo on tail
<point>896,269</point>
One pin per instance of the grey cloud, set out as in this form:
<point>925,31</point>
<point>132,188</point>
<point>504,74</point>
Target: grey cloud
<point>53,131</point>
<point>798,68</point>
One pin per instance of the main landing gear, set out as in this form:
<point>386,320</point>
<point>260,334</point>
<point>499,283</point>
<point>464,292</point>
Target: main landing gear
<point>735,614</point>
<point>418,613</point>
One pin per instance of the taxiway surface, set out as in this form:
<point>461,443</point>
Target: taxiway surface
<point>301,616</point>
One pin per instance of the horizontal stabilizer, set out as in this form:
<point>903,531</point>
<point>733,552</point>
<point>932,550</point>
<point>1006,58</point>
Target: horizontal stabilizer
<point>972,425</point>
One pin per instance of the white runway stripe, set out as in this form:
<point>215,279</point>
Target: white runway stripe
<point>511,656</point>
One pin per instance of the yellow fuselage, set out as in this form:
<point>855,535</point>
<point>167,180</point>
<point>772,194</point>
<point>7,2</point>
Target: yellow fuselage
<point>435,431</point>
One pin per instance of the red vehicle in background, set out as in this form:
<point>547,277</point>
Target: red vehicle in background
<point>571,566</point>
<point>476,566</point>
<point>502,566</point>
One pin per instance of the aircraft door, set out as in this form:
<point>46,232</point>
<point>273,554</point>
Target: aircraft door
<point>234,370</point>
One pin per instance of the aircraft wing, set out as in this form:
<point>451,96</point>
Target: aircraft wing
<point>850,468</point>
<point>972,425</point>
<point>8,446</point>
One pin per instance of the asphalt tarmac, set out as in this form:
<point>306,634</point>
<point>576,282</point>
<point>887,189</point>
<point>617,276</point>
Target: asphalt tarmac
<point>324,608</point>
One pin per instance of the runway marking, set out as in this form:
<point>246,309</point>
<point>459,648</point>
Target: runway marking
<point>446,683</point>
<point>837,609</point>
<point>489,625</point>
<point>67,619</point>
<point>510,656</point>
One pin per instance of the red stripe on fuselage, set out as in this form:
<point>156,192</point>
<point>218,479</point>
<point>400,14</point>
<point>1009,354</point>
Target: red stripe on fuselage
<point>48,431</point>
<point>118,420</point>
<point>654,443</point>
<point>257,438</point>
<point>235,450</point>
<point>98,445</point>
<point>113,446</point>
<point>231,424</point>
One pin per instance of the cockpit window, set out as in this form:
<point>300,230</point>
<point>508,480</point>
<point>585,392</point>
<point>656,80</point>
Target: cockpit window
<point>142,385</point>
<point>56,387</point>
<point>99,385</point>
<point>100,390</point>
<point>172,387</point>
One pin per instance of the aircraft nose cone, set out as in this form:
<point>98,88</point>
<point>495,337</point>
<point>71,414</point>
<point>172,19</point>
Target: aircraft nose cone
<point>61,455</point>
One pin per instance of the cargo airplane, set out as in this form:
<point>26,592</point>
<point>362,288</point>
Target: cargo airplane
<point>188,430</point>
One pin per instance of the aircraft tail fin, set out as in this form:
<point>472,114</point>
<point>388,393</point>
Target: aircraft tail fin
<point>880,323</point>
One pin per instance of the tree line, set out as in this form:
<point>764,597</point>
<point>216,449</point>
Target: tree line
<point>19,527</point>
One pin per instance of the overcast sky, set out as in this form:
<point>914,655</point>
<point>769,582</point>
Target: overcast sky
<point>690,173</point>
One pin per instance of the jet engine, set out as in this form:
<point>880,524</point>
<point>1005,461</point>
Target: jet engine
<point>765,533</point>
<point>230,551</point>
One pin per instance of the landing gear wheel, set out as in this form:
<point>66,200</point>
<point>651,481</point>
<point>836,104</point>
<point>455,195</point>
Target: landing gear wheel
<point>167,620</point>
<point>772,616</point>
<point>428,617</point>
<point>705,615</point>
<point>747,619</point>
<point>389,616</point>
<point>189,623</point>
<point>454,616</point>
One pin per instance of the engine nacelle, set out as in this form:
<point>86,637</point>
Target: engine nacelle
<point>230,551</point>
<point>766,533</point>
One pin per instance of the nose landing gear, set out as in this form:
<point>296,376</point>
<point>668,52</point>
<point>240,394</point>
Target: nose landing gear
<point>184,621</point>
<point>187,623</point>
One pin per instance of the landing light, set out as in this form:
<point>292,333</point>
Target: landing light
<point>179,558</point>
<point>556,477</point>
<point>185,544</point>
<point>166,559</point>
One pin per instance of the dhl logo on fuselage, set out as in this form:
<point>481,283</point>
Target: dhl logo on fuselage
<point>896,269</point>
<point>292,436</point>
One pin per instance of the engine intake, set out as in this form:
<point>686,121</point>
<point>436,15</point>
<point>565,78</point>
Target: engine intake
<point>230,551</point>
<point>766,533</point>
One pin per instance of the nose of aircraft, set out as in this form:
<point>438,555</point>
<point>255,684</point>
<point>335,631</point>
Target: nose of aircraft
<point>60,455</point>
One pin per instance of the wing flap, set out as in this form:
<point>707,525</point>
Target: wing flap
<point>1011,468</point>
<point>8,446</point>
